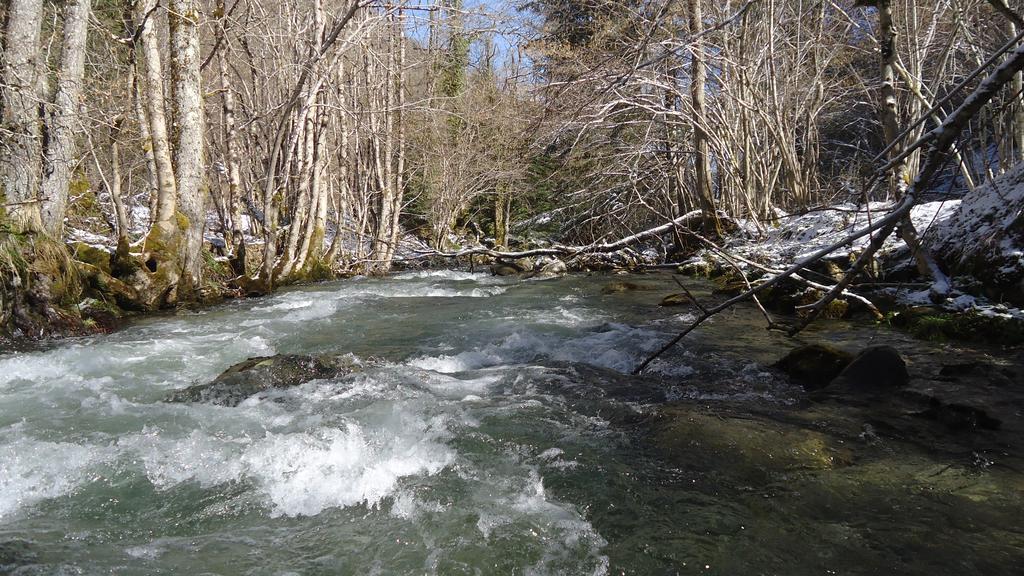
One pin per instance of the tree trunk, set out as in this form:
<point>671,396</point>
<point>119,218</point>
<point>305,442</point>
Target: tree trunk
<point>399,179</point>
<point>236,242</point>
<point>502,207</point>
<point>20,158</point>
<point>120,212</point>
<point>698,81</point>
<point>60,156</point>
<point>167,189</point>
<point>889,114</point>
<point>188,120</point>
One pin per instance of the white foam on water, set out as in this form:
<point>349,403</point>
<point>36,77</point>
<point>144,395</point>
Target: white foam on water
<point>305,473</point>
<point>454,388</point>
<point>569,317</point>
<point>439,292</point>
<point>570,541</point>
<point>551,453</point>
<point>442,274</point>
<point>408,507</point>
<point>198,457</point>
<point>670,368</point>
<point>34,470</point>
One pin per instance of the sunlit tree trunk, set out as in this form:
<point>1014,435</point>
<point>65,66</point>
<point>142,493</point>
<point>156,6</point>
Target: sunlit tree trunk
<point>188,122</point>
<point>698,81</point>
<point>153,96</point>
<point>20,164</point>
<point>61,154</point>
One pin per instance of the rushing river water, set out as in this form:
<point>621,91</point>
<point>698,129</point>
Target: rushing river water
<point>493,430</point>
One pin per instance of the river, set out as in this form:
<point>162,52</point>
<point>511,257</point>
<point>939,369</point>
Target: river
<point>493,429</point>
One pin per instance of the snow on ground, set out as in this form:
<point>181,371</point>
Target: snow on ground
<point>800,235</point>
<point>990,215</point>
<point>989,225</point>
<point>86,237</point>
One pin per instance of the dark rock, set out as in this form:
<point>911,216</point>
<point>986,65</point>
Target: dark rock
<point>504,270</point>
<point>960,416</point>
<point>256,375</point>
<point>875,369</point>
<point>815,365</point>
<point>679,299</point>
<point>1001,376</point>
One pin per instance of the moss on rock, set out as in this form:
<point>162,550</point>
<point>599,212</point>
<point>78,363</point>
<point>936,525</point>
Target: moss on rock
<point>936,325</point>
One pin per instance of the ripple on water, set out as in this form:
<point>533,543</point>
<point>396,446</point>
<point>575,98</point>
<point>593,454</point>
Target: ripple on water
<point>611,345</point>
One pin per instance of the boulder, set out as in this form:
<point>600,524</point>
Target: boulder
<point>256,375</point>
<point>504,270</point>
<point>815,365</point>
<point>678,299</point>
<point>875,369</point>
<point>93,255</point>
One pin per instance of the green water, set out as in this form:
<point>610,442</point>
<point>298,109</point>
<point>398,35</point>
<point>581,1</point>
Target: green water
<point>494,431</point>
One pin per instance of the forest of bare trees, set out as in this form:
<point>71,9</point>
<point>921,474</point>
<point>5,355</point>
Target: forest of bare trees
<point>217,147</point>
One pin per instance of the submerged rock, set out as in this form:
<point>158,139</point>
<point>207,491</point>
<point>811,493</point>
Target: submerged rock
<point>875,369</point>
<point>742,443</point>
<point>960,416</point>
<point>618,287</point>
<point>814,366</point>
<point>679,299</point>
<point>260,374</point>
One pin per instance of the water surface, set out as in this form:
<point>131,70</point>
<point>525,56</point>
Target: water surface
<point>493,431</point>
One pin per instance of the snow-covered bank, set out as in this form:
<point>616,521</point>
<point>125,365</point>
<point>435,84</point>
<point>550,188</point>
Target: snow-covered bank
<point>978,240</point>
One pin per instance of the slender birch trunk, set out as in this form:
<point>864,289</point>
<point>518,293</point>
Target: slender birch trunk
<point>20,164</point>
<point>698,81</point>
<point>189,144</point>
<point>61,154</point>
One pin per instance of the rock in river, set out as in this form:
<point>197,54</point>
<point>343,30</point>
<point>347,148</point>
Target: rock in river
<point>504,270</point>
<point>619,287</point>
<point>815,365</point>
<point>264,373</point>
<point>679,299</point>
<point>875,369</point>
